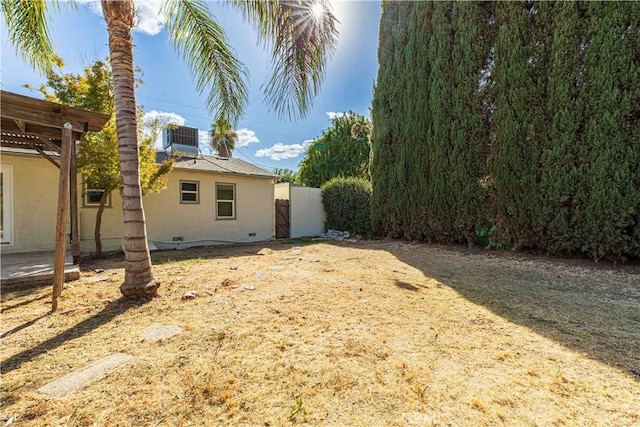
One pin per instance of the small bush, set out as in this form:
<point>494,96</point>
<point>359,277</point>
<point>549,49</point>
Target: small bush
<point>347,203</point>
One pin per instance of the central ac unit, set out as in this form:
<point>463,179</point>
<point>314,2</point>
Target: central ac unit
<point>181,141</point>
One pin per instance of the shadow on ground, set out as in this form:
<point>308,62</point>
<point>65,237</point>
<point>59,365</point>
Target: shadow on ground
<point>103,317</point>
<point>585,308</point>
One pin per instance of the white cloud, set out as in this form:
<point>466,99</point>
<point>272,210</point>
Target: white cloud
<point>164,119</point>
<point>203,142</point>
<point>246,137</point>
<point>281,151</point>
<point>333,115</point>
<point>148,19</point>
<point>94,5</point>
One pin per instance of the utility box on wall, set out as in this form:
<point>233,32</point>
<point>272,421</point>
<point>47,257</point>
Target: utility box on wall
<point>306,213</point>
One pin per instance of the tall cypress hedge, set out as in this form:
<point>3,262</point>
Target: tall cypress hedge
<point>524,116</point>
<point>516,151</point>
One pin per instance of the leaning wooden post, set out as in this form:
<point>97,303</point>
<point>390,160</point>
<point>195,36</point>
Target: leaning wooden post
<point>61,222</point>
<point>73,193</point>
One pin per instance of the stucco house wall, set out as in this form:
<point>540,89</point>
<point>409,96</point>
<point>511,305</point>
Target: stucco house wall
<point>111,226</point>
<point>35,194</point>
<point>34,201</point>
<point>196,224</point>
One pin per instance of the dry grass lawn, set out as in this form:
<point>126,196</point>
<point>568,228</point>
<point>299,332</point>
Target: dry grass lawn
<point>340,334</point>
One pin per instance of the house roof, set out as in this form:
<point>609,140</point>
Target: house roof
<point>211,164</point>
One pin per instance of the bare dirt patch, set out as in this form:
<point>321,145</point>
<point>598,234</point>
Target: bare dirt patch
<point>371,333</point>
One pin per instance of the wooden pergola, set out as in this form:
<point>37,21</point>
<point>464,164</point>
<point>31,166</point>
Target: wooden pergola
<point>42,126</point>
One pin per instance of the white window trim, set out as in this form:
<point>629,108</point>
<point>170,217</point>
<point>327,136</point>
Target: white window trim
<point>85,199</point>
<point>233,202</point>
<point>7,205</point>
<point>196,192</point>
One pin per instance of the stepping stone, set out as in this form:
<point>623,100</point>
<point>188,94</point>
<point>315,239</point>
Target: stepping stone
<point>246,287</point>
<point>296,251</point>
<point>260,276</point>
<point>158,332</point>
<point>276,267</point>
<point>75,381</point>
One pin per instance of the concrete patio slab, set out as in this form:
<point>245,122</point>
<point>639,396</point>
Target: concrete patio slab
<point>34,268</point>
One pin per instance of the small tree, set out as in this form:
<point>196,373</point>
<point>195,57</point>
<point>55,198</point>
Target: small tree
<point>342,150</point>
<point>98,151</point>
<point>287,175</point>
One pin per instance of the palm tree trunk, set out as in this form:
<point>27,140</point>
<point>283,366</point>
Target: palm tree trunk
<point>139,281</point>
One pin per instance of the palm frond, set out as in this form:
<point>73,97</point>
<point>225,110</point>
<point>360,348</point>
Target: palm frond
<point>28,31</point>
<point>203,45</point>
<point>301,44</point>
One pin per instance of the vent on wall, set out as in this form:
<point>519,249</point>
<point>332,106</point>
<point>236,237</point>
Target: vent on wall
<point>181,141</point>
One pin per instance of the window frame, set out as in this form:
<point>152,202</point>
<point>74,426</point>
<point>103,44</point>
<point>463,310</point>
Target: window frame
<point>234,212</point>
<point>196,192</point>
<point>85,193</point>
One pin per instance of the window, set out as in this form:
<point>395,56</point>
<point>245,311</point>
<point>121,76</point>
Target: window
<point>93,193</point>
<point>189,192</point>
<point>225,201</point>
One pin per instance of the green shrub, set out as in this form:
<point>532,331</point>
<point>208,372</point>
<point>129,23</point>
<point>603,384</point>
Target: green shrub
<point>347,203</point>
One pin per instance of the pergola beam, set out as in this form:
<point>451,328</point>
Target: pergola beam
<point>20,125</point>
<point>49,144</point>
<point>45,155</point>
<point>9,126</point>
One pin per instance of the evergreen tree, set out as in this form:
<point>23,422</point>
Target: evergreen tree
<point>337,152</point>
<point>608,191</point>
<point>523,115</point>
<point>469,128</point>
<point>516,152</point>
<point>564,111</point>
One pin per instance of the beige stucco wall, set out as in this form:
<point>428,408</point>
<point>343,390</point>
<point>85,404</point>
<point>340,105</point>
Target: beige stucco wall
<point>111,227</point>
<point>35,201</point>
<point>197,224</point>
<point>281,191</point>
<point>307,214</point>
<point>35,192</point>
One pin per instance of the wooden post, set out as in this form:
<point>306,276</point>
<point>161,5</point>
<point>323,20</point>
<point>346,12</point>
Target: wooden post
<point>73,193</point>
<point>61,221</point>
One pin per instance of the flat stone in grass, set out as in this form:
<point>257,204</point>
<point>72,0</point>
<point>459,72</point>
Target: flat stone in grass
<point>158,332</point>
<point>260,275</point>
<point>245,287</point>
<point>76,380</point>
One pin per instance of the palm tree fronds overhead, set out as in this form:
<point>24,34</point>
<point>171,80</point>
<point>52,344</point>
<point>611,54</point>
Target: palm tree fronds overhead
<point>29,32</point>
<point>301,41</point>
<point>204,46</point>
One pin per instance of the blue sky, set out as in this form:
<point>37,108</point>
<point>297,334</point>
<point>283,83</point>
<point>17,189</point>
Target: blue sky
<point>80,37</point>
